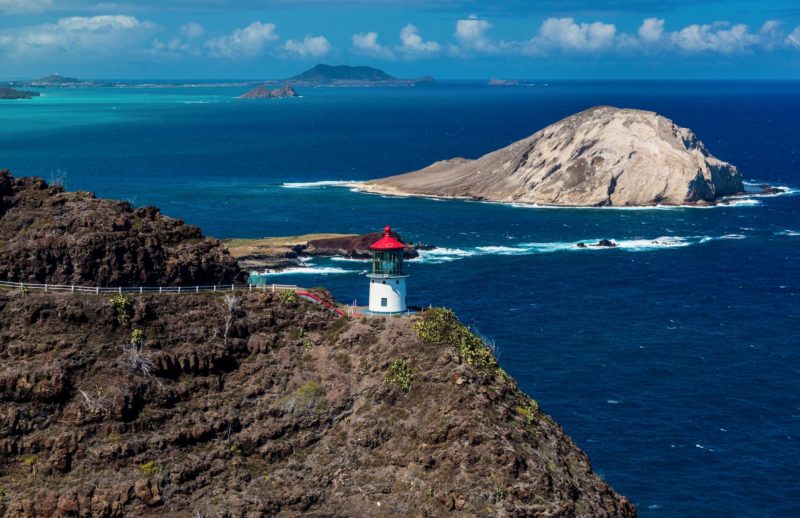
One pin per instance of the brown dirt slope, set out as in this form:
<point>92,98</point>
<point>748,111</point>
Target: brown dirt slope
<point>288,412</point>
<point>51,236</point>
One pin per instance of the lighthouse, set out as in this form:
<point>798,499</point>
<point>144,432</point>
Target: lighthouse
<point>387,281</point>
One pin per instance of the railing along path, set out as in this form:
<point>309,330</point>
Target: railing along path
<point>72,288</point>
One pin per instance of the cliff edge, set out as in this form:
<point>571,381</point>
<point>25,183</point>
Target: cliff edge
<point>603,156</point>
<point>48,235</point>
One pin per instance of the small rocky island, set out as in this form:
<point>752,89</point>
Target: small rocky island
<point>246,403</point>
<point>603,156</point>
<point>10,93</point>
<point>265,92</point>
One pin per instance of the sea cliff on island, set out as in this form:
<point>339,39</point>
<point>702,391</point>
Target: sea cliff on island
<point>265,92</point>
<point>237,403</point>
<point>603,156</point>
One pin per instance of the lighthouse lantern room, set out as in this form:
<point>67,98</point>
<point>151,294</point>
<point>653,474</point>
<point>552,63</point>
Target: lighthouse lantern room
<point>387,281</point>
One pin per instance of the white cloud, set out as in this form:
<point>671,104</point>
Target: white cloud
<point>565,34</point>
<point>24,6</point>
<point>413,45</point>
<point>471,34</point>
<point>651,30</point>
<point>793,39</point>
<point>85,37</point>
<point>310,46</point>
<point>192,30</point>
<point>367,43</point>
<point>718,37</point>
<point>246,42</point>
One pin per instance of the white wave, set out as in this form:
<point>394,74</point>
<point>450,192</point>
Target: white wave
<point>445,255</point>
<point>789,233</point>
<point>348,259</point>
<point>317,185</point>
<point>312,270</point>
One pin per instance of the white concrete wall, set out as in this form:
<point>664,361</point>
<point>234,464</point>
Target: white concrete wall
<point>391,289</point>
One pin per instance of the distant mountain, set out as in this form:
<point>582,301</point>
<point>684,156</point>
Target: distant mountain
<point>344,75</point>
<point>10,93</point>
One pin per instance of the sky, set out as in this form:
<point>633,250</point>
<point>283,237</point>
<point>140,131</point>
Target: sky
<point>447,39</point>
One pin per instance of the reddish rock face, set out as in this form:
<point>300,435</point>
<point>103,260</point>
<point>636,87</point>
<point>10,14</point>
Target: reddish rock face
<point>357,247</point>
<point>57,237</point>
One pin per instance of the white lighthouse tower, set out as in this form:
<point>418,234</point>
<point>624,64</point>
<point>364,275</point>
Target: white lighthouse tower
<point>387,282</point>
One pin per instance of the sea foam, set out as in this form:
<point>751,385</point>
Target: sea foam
<point>317,185</point>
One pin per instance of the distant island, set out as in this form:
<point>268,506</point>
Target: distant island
<point>264,92</point>
<point>345,75</point>
<point>603,156</point>
<point>58,81</point>
<point>10,93</point>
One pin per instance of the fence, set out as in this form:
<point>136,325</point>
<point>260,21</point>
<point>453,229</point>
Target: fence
<point>146,289</point>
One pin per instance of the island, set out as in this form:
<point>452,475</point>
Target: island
<point>264,92</point>
<point>10,93</point>
<point>240,402</point>
<point>603,156</point>
<point>345,75</point>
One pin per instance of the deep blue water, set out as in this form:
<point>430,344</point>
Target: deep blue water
<point>675,366</point>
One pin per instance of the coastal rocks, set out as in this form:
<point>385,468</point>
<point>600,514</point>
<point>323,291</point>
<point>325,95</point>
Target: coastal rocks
<point>264,92</point>
<point>56,237</point>
<point>353,247</point>
<point>603,243</point>
<point>603,156</point>
<point>289,413</point>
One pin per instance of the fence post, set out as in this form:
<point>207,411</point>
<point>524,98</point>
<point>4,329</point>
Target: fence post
<point>233,286</point>
<point>215,287</point>
<point>249,287</point>
<point>119,290</point>
<point>273,287</point>
<point>97,290</point>
<point>72,290</point>
<point>179,289</point>
<point>140,290</point>
<point>159,289</point>
<point>45,287</point>
<point>197,289</point>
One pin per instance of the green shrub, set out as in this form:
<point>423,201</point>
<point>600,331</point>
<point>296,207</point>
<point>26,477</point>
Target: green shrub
<point>149,468</point>
<point>307,398</point>
<point>137,338</point>
<point>441,327</point>
<point>400,373</point>
<point>528,409</point>
<point>29,460</point>
<point>288,296</point>
<point>122,308</point>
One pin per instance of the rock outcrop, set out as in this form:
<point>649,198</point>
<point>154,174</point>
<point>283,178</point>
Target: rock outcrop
<point>603,156</point>
<point>48,235</point>
<point>10,93</point>
<point>265,406</point>
<point>264,92</point>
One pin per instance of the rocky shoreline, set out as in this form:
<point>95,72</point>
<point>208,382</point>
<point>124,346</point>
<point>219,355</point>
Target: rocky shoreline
<point>280,253</point>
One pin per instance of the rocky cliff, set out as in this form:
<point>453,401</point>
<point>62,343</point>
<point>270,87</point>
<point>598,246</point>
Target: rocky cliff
<point>51,236</point>
<point>10,93</point>
<point>201,405</point>
<point>603,156</point>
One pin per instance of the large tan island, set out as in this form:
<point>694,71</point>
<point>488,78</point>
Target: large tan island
<point>603,156</point>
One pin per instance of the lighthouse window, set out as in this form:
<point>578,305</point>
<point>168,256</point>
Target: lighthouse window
<point>384,302</point>
<point>384,282</point>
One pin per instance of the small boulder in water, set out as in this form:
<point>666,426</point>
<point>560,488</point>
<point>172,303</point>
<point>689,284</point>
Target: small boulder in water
<point>607,243</point>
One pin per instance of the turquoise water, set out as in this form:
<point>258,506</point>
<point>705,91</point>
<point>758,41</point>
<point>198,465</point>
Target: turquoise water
<point>672,360</point>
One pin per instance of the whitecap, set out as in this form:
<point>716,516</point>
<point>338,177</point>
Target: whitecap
<point>787,232</point>
<point>613,402</point>
<point>312,270</point>
<point>443,255</point>
<point>317,185</point>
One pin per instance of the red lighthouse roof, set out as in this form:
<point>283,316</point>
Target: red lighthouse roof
<point>387,242</point>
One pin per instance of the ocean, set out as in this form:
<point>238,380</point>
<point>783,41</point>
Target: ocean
<point>672,360</point>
